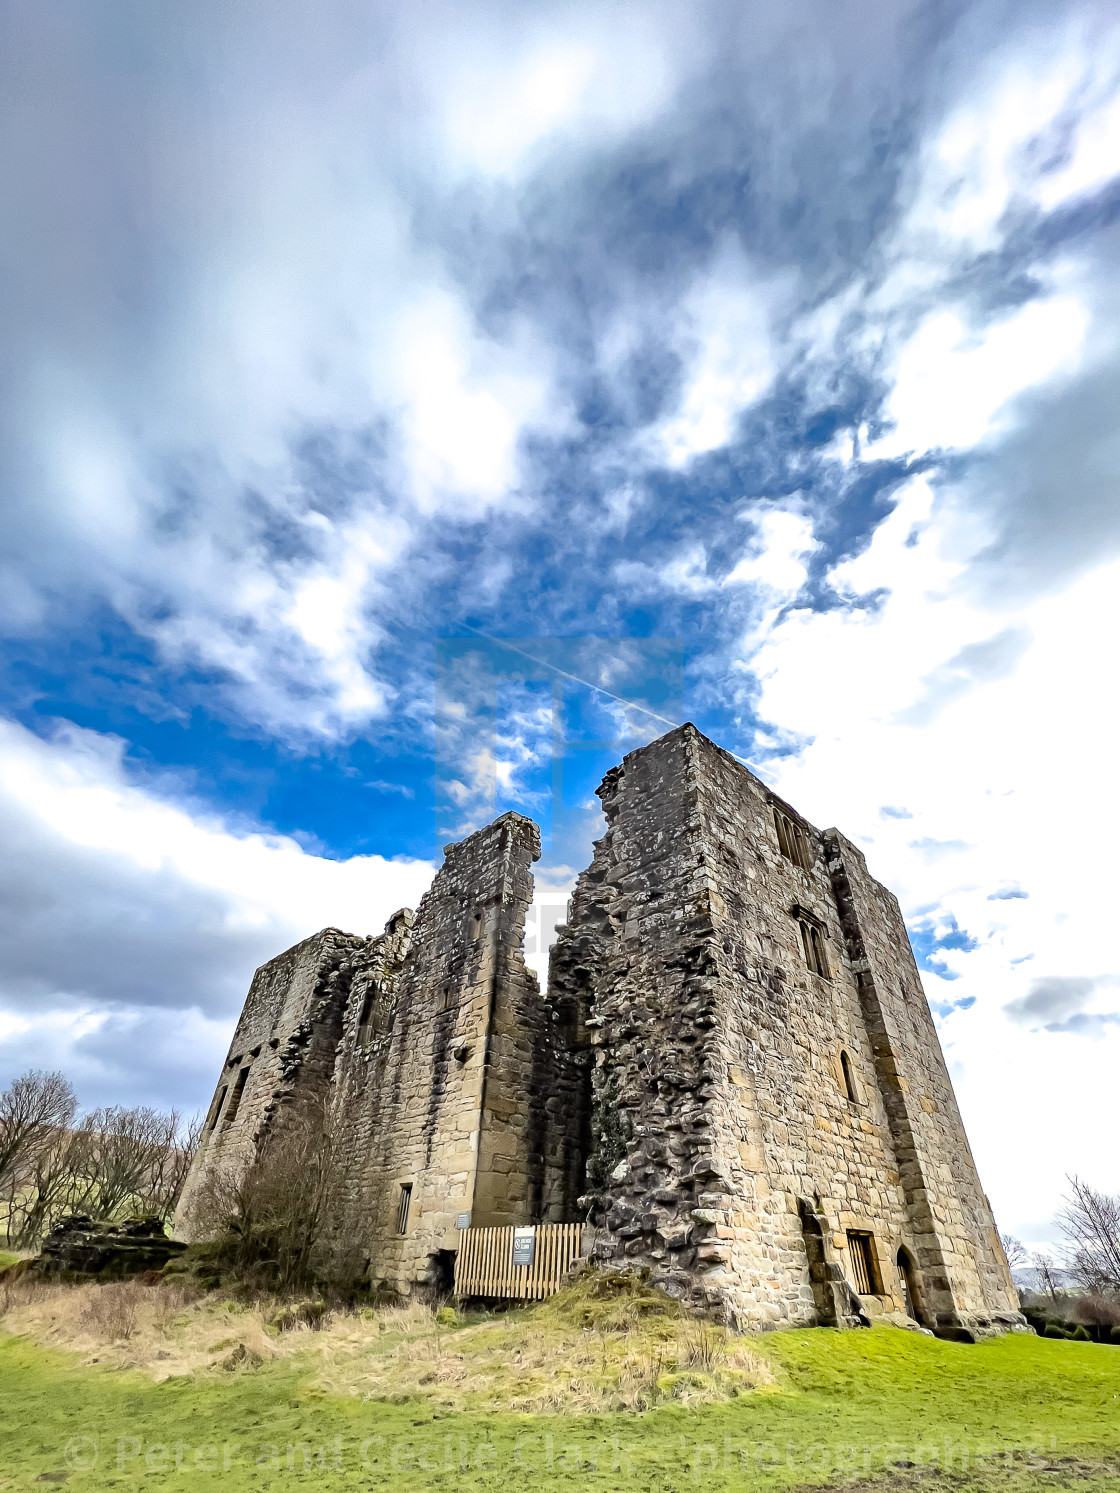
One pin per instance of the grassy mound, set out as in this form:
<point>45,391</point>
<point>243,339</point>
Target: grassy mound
<point>604,1344</point>
<point>608,1343</point>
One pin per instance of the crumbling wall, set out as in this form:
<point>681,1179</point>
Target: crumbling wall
<point>282,1056</point>
<point>440,1099</point>
<point>638,952</point>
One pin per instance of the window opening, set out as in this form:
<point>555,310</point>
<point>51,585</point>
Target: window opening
<point>365,1021</point>
<point>909,1284</point>
<point>813,947</point>
<point>221,1099</point>
<point>235,1097</point>
<point>476,925</point>
<point>849,1081</point>
<point>791,840</point>
<point>863,1262</point>
<point>403,1206</point>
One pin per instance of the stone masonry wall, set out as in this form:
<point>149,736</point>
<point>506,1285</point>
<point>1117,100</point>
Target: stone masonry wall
<point>637,954</point>
<point>437,1097</point>
<point>962,1262</point>
<point>282,1054</point>
<point>738,1161</point>
<point>443,1069</point>
<point>788,1132</point>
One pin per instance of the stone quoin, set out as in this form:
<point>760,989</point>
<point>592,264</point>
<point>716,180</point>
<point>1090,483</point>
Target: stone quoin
<point>733,1074</point>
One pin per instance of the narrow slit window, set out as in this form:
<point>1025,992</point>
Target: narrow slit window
<point>862,1253</point>
<point>404,1203</point>
<point>235,1097</point>
<point>217,1111</point>
<point>365,1021</point>
<point>780,823</point>
<point>908,1277</point>
<point>849,1081</point>
<point>813,946</point>
<point>476,925</point>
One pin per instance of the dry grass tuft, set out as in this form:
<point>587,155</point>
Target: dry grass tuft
<point>166,1329</point>
<point>594,1347</point>
<point>109,1312</point>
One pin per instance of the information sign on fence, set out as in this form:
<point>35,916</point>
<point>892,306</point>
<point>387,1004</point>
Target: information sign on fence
<point>495,1262</point>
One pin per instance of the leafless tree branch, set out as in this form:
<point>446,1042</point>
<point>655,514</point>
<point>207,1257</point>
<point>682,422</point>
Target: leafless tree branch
<point>1090,1221</point>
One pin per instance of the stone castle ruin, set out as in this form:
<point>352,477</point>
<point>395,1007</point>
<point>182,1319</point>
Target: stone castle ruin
<point>733,1074</point>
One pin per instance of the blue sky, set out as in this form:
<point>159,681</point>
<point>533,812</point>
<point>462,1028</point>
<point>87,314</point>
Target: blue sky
<point>392,394</point>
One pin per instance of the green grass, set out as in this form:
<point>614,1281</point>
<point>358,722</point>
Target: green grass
<point>844,1405</point>
<point>7,1258</point>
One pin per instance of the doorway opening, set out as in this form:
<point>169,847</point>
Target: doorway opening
<point>441,1268</point>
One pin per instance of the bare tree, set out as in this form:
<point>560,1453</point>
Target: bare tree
<point>1090,1221</point>
<point>127,1149</point>
<point>170,1169</point>
<point>115,1161</point>
<point>33,1108</point>
<point>1015,1252</point>
<point>279,1217</point>
<point>52,1186</point>
<point>1046,1275</point>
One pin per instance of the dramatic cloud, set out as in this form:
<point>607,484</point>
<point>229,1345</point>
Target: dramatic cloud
<point>335,338</point>
<point>132,920</point>
<point>986,780</point>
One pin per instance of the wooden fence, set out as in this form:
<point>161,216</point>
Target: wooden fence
<point>484,1264</point>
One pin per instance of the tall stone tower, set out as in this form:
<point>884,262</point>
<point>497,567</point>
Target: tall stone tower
<point>733,1075</point>
<point>774,1126</point>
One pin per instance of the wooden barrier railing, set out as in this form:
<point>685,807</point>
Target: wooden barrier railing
<point>484,1264</point>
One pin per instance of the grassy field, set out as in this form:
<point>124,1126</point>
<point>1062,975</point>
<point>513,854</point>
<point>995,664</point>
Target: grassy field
<point>399,1400</point>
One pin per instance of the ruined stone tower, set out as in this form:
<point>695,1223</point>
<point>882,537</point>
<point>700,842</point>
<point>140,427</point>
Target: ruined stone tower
<point>733,1074</point>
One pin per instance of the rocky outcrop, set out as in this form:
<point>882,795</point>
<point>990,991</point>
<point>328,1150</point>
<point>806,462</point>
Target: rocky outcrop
<point>79,1246</point>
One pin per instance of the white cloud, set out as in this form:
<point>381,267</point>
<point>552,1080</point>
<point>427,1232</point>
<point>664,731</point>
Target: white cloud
<point>724,338</point>
<point>1034,124</point>
<point>464,402</point>
<point>124,909</point>
<point>274,289</point>
<point>1093,158</point>
<point>1008,783</point>
<point>952,384</point>
<point>543,80</point>
<point>778,560</point>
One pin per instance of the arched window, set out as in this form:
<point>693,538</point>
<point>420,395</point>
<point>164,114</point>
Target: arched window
<point>813,947</point>
<point>849,1081</point>
<point>791,840</point>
